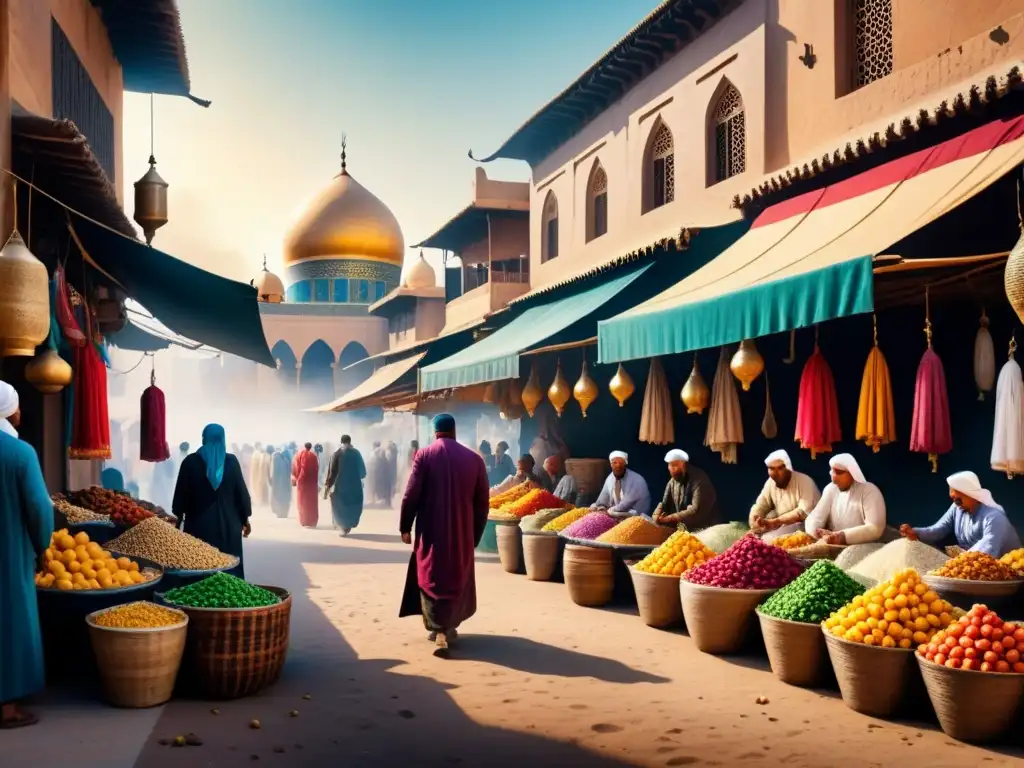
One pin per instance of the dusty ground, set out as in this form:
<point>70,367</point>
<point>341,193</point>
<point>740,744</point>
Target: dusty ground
<point>536,680</point>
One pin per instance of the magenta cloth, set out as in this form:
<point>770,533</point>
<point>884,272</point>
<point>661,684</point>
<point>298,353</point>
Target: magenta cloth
<point>447,498</point>
<point>817,410</point>
<point>930,430</point>
<point>305,473</point>
<point>153,426</point>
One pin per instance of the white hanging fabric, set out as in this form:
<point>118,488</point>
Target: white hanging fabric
<point>725,421</point>
<point>984,358</point>
<point>1008,436</point>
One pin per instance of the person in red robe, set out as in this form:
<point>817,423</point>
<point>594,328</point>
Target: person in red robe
<point>447,498</point>
<point>305,474</point>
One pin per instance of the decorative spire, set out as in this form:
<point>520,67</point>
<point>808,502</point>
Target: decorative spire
<point>344,143</point>
<point>265,263</point>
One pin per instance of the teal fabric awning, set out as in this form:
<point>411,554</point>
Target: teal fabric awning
<point>496,357</point>
<point>190,301</point>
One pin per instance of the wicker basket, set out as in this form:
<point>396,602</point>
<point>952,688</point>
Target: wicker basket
<point>589,574</point>
<point>999,596</point>
<point>510,546</point>
<point>819,550</point>
<point>796,650</point>
<point>138,667</point>
<point>872,680</point>
<point>231,652</point>
<point>657,597</point>
<point>540,555</point>
<point>719,619</point>
<point>972,706</point>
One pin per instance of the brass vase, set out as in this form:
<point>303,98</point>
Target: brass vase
<point>558,392</point>
<point>532,393</point>
<point>48,372</point>
<point>747,364</point>
<point>586,390</point>
<point>621,386</point>
<point>1013,278</point>
<point>696,394</point>
<point>24,300</point>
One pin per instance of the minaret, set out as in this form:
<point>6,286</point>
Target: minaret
<point>344,143</point>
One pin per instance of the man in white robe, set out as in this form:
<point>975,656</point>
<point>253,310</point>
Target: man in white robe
<point>785,501</point>
<point>851,510</point>
<point>624,493</point>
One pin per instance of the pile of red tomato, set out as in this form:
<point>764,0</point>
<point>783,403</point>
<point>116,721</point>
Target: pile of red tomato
<point>979,641</point>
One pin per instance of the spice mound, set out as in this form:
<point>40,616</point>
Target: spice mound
<point>155,540</point>
<point>680,552</point>
<point>813,595</point>
<point>533,523</point>
<point>590,526</point>
<point>76,514</point>
<point>530,504</point>
<point>566,519</point>
<point>979,641</point>
<point>222,590</point>
<point>747,564</point>
<point>897,556</point>
<point>794,540</point>
<point>1014,560</point>
<point>900,613</point>
<point>720,537</point>
<point>636,531</point>
<point>976,566</point>
<point>514,493</point>
<point>141,615</point>
<point>121,508</point>
<point>75,562</point>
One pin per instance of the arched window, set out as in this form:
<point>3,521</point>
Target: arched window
<point>729,134</point>
<point>659,169</point>
<point>597,202</point>
<point>549,228</point>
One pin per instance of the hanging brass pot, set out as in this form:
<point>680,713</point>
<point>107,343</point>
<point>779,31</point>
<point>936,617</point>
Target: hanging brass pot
<point>511,400</point>
<point>747,364</point>
<point>696,394</point>
<point>492,394</point>
<point>621,386</point>
<point>586,390</point>
<point>48,372</point>
<point>532,393</point>
<point>24,300</point>
<point>150,201</point>
<point>1013,278</point>
<point>558,392</point>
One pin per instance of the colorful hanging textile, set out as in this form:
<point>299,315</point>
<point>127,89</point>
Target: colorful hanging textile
<point>153,424</point>
<point>1008,438</point>
<point>984,358</point>
<point>930,431</point>
<point>876,414</point>
<point>817,410</point>
<point>63,311</point>
<point>656,426</point>
<point>90,424</point>
<point>725,420</point>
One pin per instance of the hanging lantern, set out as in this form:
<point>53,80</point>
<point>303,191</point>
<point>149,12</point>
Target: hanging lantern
<point>930,430</point>
<point>153,423</point>
<point>151,201</point>
<point>747,364</point>
<point>621,386</point>
<point>492,394</point>
<point>696,394</point>
<point>1008,436</point>
<point>48,372</point>
<point>586,390</point>
<point>984,358</point>
<point>558,392</point>
<point>24,298</point>
<point>817,412</point>
<point>1013,278</point>
<point>532,393</point>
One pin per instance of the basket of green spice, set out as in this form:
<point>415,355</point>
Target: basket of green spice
<point>790,622</point>
<point>237,637</point>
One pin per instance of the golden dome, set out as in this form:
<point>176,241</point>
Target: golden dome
<point>268,286</point>
<point>420,274</point>
<point>345,221</point>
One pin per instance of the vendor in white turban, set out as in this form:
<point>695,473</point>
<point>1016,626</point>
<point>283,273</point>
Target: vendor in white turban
<point>851,510</point>
<point>10,410</point>
<point>785,501</point>
<point>974,518</point>
<point>689,497</point>
<point>624,492</point>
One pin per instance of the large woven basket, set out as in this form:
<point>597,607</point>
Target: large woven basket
<point>719,619</point>
<point>796,650</point>
<point>972,706</point>
<point>872,680</point>
<point>540,555</point>
<point>589,574</point>
<point>657,597</point>
<point>510,546</point>
<point>231,652</point>
<point>138,667</point>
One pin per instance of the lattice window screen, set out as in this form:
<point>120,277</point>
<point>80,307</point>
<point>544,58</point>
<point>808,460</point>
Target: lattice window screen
<point>730,135</point>
<point>872,24</point>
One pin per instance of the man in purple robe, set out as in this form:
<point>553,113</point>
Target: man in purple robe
<point>447,497</point>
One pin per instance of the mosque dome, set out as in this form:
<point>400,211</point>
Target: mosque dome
<point>268,286</point>
<point>420,274</point>
<point>345,222</point>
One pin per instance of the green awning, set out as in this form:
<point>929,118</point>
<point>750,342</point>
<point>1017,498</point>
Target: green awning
<point>496,357</point>
<point>192,302</point>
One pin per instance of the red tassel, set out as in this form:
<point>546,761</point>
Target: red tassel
<point>153,425</point>
<point>90,434</point>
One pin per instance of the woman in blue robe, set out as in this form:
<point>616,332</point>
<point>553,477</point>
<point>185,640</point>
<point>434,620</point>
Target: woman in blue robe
<point>280,483</point>
<point>26,525</point>
<point>345,476</point>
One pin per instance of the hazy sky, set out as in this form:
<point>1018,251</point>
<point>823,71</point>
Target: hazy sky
<point>414,84</point>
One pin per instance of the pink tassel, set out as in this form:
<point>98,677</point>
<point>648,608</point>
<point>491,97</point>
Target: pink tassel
<point>930,431</point>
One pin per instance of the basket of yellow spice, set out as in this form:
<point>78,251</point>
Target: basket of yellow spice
<point>138,648</point>
<point>656,578</point>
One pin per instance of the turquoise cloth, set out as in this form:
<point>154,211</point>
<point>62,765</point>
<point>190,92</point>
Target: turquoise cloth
<point>213,451</point>
<point>794,302</point>
<point>112,479</point>
<point>26,525</point>
<point>496,357</point>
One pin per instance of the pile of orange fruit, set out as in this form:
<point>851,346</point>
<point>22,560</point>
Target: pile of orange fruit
<point>75,562</point>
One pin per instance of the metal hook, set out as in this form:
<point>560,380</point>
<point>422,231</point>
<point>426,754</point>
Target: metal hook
<point>874,327</point>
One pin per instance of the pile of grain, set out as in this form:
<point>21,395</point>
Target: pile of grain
<point>155,540</point>
<point>533,523</point>
<point>897,556</point>
<point>719,538</point>
<point>854,553</point>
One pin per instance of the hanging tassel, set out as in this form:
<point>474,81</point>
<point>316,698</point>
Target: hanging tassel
<point>153,422</point>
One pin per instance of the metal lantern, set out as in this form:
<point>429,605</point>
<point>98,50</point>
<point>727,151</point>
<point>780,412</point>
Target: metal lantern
<point>1013,278</point>
<point>24,300</point>
<point>621,386</point>
<point>747,364</point>
<point>532,393</point>
<point>558,392</point>
<point>151,201</point>
<point>585,391</point>
<point>696,394</point>
<point>48,372</point>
